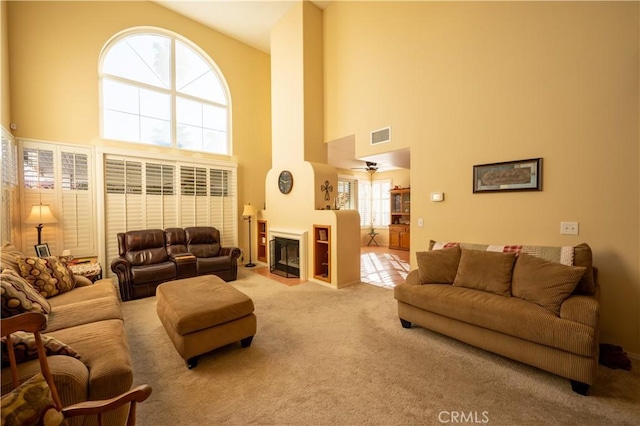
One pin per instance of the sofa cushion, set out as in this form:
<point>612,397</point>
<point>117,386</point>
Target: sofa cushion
<point>544,282</point>
<point>48,275</point>
<point>9,256</point>
<point>509,315</point>
<point>486,271</point>
<point>31,403</point>
<point>84,312</point>
<point>105,352</point>
<point>438,266</point>
<point>153,273</point>
<point>18,296</point>
<point>24,347</point>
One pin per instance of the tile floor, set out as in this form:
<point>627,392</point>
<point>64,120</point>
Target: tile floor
<point>379,266</point>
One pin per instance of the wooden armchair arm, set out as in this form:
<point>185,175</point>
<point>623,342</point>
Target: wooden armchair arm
<point>88,408</point>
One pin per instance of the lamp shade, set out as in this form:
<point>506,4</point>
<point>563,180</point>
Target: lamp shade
<point>248,210</point>
<point>41,213</point>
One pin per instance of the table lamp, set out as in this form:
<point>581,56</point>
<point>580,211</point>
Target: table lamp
<point>40,214</point>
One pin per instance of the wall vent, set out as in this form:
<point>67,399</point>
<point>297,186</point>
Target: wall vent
<point>381,135</point>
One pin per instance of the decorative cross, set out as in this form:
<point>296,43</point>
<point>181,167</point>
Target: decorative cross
<point>326,188</point>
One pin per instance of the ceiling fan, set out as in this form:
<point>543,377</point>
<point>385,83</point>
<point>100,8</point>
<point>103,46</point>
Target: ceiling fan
<point>370,168</point>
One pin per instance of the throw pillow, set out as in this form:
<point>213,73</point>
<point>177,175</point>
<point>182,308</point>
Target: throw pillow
<point>31,404</point>
<point>438,266</point>
<point>24,347</point>
<point>543,282</point>
<point>485,270</point>
<point>18,296</point>
<point>49,275</point>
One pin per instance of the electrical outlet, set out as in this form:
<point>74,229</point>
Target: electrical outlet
<point>569,228</point>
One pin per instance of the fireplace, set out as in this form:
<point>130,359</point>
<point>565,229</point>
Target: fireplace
<point>285,257</point>
<point>288,252</point>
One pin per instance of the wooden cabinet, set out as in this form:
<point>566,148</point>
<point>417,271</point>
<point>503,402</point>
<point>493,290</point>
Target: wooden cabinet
<point>322,252</point>
<point>399,237</point>
<point>262,241</point>
<point>400,223</point>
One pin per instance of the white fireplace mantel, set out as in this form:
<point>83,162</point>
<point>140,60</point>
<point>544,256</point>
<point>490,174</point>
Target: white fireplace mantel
<point>298,235</point>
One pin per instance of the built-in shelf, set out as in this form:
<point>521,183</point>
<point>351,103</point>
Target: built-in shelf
<point>262,241</point>
<point>322,252</point>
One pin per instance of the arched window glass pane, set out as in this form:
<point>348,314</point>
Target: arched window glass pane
<point>195,77</point>
<point>144,58</point>
<point>143,103</point>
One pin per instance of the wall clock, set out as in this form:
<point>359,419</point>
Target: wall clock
<point>285,181</point>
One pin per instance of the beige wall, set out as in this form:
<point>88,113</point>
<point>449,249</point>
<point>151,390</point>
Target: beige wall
<point>478,82</point>
<point>54,53</point>
<point>5,116</point>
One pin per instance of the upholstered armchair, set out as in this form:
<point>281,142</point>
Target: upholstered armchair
<point>143,263</point>
<point>204,243</point>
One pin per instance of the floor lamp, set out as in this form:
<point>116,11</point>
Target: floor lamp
<point>247,213</point>
<point>40,214</point>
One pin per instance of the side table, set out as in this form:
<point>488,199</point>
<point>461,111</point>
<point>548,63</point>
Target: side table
<point>91,270</point>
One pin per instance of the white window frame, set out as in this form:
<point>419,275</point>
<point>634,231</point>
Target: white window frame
<point>172,90</point>
<point>10,212</point>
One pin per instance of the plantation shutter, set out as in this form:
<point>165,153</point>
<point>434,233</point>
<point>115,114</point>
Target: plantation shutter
<point>9,187</point>
<point>59,176</point>
<point>364,203</point>
<point>77,218</point>
<point>147,194</point>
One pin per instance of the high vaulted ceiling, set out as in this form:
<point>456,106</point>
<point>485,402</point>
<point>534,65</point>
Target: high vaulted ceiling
<point>248,21</point>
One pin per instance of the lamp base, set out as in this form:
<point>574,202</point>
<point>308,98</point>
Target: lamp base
<point>250,265</point>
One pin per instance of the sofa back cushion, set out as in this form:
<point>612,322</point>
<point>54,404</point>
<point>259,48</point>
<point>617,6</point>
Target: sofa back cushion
<point>579,255</point>
<point>203,241</point>
<point>176,240</point>
<point>485,270</point>
<point>145,247</point>
<point>9,256</point>
<point>438,266</point>
<point>543,282</point>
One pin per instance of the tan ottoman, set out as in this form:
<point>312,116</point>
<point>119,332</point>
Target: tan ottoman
<point>203,313</point>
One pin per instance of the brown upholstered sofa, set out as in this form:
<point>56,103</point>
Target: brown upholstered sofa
<point>88,319</point>
<point>537,305</point>
<point>150,257</point>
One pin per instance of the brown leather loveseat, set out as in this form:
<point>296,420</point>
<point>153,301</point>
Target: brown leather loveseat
<point>150,257</point>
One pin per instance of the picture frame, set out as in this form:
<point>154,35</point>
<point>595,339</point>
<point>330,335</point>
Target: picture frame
<point>322,234</point>
<point>42,250</point>
<point>519,175</point>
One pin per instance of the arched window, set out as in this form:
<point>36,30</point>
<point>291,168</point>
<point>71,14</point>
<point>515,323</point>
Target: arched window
<point>158,88</point>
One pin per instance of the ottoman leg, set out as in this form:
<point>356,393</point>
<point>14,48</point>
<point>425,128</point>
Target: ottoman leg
<point>192,362</point>
<point>246,342</point>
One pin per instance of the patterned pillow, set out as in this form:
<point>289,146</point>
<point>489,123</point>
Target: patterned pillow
<point>18,296</point>
<point>31,404</point>
<point>49,275</point>
<point>24,346</point>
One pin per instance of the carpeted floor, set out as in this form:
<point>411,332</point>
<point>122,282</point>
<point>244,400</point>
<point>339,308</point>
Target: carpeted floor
<point>340,357</point>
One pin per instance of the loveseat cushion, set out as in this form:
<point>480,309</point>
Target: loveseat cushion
<point>486,271</point>
<point>508,315</point>
<point>543,282</point>
<point>153,273</point>
<point>210,265</point>
<point>145,247</point>
<point>203,241</point>
<point>9,256</point>
<point>98,290</point>
<point>438,266</point>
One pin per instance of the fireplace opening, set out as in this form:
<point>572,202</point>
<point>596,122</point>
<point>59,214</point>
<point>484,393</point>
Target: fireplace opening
<point>285,257</point>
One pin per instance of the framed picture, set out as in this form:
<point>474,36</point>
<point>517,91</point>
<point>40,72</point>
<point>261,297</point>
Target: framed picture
<point>42,250</point>
<point>322,234</point>
<point>521,175</point>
